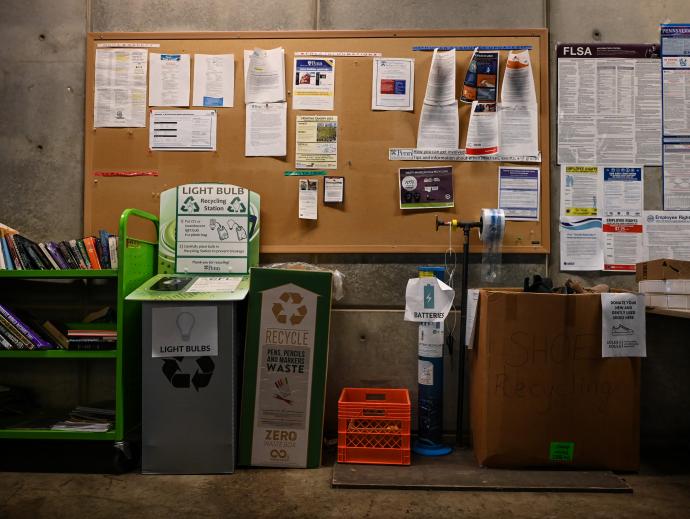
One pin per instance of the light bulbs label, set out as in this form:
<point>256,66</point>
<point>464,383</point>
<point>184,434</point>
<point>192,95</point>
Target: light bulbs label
<point>184,331</point>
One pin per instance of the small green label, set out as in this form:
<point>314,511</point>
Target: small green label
<point>305,173</point>
<point>562,452</point>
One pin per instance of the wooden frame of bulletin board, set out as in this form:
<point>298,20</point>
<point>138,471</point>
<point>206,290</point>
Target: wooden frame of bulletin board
<point>369,220</point>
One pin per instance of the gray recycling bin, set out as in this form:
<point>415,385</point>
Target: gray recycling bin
<point>189,365</point>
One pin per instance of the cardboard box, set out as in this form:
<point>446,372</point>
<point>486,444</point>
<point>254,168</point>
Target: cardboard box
<point>540,393</point>
<point>667,286</point>
<point>652,286</point>
<point>662,269</point>
<point>657,300</point>
<point>677,286</point>
<point>677,301</point>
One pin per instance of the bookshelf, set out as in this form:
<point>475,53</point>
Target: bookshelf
<point>137,259</point>
<point>59,274</point>
<point>47,434</point>
<point>57,354</point>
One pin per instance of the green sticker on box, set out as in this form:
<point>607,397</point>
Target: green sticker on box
<point>562,452</point>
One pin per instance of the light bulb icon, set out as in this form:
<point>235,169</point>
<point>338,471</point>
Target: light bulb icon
<point>185,323</point>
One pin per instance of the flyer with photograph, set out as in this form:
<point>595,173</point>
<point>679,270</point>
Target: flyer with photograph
<point>308,198</point>
<point>481,79</point>
<point>313,84</point>
<point>316,142</point>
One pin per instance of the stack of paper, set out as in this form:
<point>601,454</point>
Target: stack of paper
<point>518,111</point>
<point>90,419</point>
<point>264,95</point>
<point>439,125</point>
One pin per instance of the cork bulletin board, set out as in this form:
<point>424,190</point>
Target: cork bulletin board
<point>370,219</point>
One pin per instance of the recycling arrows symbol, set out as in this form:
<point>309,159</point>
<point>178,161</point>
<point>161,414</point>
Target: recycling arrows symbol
<point>236,206</point>
<point>281,314</point>
<point>201,378</point>
<point>190,205</point>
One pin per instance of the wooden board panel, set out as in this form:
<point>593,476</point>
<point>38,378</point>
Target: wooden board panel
<point>459,471</point>
<point>370,219</point>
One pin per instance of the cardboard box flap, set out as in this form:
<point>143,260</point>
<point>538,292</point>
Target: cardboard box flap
<point>662,269</point>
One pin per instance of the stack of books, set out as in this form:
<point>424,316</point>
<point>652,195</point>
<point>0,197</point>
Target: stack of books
<point>20,331</point>
<point>92,252</point>
<point>88,418</point>
<point>83,336</point>
<point>15,334</point>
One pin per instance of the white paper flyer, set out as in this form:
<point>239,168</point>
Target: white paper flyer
<point>313,86</point>
<point>623,327</point>
<point>581,244</point>
<point>482,131</point>
<point>308,198</point>
<point>264,75</point>
<point>214,80</point>
<point>518,192</point>
<point>667,235</point>
<point>182,130</point>
<point>440,87</point>
<point>120,88</point>
<point>581,191</point>
<point>393,84</point>
<point>519,130</point>
<point>169,76</point>
<point>266,130</point>
<point>518,81</point>
<point>439,127</point>
<point>316,143</point>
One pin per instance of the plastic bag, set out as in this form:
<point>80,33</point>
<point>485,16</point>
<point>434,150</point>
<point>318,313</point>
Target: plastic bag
<point>338,292</point>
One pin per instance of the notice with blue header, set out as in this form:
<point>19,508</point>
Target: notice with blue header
<point>169,79</point>
<point>518,192</point>
<point>675,52</point>
<point>623,191</point>
<point>622,226</point>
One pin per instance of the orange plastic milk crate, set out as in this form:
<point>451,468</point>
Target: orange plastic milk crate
<point>374,426</point>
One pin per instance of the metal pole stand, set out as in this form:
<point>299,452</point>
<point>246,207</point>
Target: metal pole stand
<point>466,228</point>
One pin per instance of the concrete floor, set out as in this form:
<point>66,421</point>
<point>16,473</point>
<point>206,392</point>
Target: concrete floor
<point>307,493</point>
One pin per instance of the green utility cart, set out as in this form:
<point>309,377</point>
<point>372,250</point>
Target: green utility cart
<point>79,375</point>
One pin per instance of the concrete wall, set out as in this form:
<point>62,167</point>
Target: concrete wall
<point>42,98</point>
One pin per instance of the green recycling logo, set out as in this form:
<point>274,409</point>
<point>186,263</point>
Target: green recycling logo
<point>181,380</point>
<point>190,205</point>
<point>289,308</point>
<point>236,206</point>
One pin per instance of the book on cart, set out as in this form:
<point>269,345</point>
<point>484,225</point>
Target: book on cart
<point>83,336</point>
<point>17,252</point>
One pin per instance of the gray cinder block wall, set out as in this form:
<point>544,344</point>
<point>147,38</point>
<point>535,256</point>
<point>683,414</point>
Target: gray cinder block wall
<point>42,54</point>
